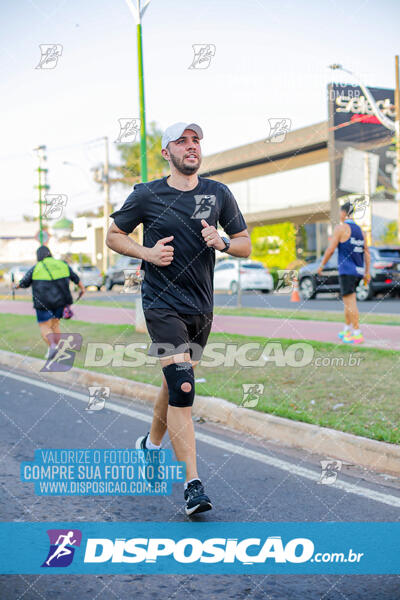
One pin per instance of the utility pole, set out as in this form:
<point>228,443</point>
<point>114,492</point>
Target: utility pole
<point>42,185</point>
<point>397,131</point>
<point>107,207</point>
<point>367,189</point>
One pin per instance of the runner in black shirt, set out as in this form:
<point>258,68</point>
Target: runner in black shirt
<point>180,214</point>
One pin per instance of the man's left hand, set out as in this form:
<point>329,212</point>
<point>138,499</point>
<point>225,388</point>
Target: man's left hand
<point>211,236</point>
<point>319,272</point>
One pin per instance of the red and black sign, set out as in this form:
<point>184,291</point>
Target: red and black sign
<point>353,117</point>
<point>352,123</point>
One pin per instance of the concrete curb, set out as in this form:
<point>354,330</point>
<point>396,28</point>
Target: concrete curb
<point>377,456</point>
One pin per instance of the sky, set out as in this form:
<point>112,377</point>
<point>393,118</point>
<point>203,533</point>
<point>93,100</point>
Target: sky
<point>270,61</point>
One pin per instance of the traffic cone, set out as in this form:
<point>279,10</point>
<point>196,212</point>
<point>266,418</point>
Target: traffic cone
<point>295,297</point>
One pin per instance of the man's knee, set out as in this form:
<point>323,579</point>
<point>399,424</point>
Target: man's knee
<point>180,382</point>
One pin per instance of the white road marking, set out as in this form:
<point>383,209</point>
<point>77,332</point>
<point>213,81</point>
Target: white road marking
<point>223,445</point>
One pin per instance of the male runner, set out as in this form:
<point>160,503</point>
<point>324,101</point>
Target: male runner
<point>178,257</point>
<point>352,253</point>
<point>50,279</point>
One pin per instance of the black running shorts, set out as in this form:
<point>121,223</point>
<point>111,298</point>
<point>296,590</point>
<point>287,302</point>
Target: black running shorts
<point>348,284</point>
<point>173,333</point>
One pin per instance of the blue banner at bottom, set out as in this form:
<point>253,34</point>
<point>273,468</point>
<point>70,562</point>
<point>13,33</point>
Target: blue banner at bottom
<point>191,548</point>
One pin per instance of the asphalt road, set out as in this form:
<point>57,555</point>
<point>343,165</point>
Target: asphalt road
<point>326,302</point>
<point>242,488</point>
<point>253,299</point>
<point>330,302</point>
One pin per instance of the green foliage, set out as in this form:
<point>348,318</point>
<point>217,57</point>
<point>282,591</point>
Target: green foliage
<point>275,275</point>
<point>302,239</point>
<point>157,166</point>
<point>96,212</point>
<point>77,258</point>
<point>274,245</point>
<point>390,235</point>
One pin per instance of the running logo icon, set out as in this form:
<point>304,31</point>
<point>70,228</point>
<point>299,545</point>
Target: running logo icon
<point>286,281</point>
<point>203,54</point>
<point>62,547</point>
<point>278,128</point>
<point>62,359</point>
<point>50,53</point>
<point>97,397</point>
<point>360,206</point>
<point>204,205</point>
<point>132,281</point>
<point>329,471</point>
<point>128,130</point>
<point>54,205</point>
<point>251,394</point>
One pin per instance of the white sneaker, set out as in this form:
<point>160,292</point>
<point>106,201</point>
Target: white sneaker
<point>141,442</point>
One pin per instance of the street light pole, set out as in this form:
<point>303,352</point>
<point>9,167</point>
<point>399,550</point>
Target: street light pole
<point>138,12</point>
<point>143,148</point>
<point>40,150</point>
<point>106,210</point>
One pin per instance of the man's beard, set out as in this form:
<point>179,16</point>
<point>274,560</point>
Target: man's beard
<point>182,168</point>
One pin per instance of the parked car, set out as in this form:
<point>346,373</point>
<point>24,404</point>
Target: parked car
<point>89,275</point>
<point>253,276</point>
<point>385,275</point>
<point>18,272</point>
<point>115,275</point>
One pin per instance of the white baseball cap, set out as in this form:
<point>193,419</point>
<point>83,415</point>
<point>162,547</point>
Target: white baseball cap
<point>174,132</point>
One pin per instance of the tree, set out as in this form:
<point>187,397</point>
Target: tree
<point>94,213</point>
<point>129,172</point>
<point>390,234</point>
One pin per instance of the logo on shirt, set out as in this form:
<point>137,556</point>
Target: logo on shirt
<point>204,205</point>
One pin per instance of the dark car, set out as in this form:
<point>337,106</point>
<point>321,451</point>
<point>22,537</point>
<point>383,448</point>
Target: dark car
<point>115,275</point>
<point>385,275</point>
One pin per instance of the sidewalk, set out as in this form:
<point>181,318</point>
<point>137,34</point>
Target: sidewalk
<point>377,336</point>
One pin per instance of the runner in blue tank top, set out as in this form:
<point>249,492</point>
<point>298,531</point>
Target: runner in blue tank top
<point>353,265</point>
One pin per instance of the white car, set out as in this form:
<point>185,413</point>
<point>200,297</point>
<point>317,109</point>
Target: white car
<point>89,275</point>
<point>253,276</point>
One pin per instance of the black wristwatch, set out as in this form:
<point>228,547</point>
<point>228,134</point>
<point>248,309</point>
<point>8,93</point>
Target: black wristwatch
<point>227,242</point>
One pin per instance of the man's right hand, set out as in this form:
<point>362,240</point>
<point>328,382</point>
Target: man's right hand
<point>160,254</point>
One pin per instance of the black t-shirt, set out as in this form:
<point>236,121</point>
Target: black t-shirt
<point>187,283</point>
